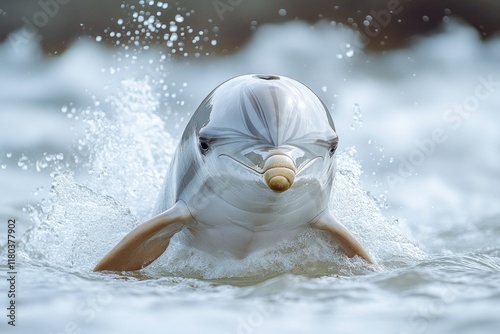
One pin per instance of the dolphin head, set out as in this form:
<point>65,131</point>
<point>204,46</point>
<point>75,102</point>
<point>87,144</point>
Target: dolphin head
<point>272,126</point>
<point>268,137</point>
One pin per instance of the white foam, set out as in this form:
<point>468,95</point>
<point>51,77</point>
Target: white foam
<point>79,227</point>
<point>130,151</point>
<point>83,225</point>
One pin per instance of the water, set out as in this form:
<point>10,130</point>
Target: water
<point>92,133</point>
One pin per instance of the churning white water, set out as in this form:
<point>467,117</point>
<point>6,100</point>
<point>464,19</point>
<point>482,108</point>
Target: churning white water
<point>86,139</point>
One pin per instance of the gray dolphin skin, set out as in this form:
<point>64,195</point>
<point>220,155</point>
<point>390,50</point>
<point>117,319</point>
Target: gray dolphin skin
<point>255,166</point>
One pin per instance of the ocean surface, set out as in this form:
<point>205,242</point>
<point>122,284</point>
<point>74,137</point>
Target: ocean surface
<point>86,138</point>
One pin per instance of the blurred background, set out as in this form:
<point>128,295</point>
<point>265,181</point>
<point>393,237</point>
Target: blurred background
<point>235,20</point>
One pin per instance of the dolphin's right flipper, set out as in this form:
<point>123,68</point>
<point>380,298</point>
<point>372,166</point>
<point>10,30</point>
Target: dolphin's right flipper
<point>147,241</point>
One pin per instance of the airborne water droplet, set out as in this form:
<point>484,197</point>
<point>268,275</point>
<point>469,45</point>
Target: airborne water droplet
<point>179,18</point>
<point>357,117</point>
<point>349,51</point>
<point>23,162</point>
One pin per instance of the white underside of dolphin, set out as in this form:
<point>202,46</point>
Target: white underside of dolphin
<point>255,166</point>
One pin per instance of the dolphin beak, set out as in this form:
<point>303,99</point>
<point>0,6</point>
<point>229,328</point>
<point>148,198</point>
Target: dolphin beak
<point>279,172</point>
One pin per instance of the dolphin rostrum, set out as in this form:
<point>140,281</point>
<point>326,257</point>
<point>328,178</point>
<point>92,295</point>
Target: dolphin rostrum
<point>255,166</point>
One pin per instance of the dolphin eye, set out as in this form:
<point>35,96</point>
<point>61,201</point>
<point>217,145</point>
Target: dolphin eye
<point>333,148</point>
<point>204,147</point>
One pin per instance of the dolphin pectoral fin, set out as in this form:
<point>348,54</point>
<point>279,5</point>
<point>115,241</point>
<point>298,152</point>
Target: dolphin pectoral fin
<point>341,235</point>
<point>147,241</point>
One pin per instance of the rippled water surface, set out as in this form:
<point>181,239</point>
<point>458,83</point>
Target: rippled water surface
<point>87,140</point>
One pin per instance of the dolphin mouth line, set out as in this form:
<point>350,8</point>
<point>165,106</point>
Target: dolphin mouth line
<point>308,164</point>
<point>243,164</point>
<point>297,172</point>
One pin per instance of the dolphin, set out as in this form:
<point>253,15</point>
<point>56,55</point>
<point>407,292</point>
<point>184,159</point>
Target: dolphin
<point>255,166</point>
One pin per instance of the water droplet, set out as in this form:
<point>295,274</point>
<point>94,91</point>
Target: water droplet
<point>3,166</point>
<point>23,162</point>
<point>9,155</point>
<point>324,88</point>
<point>179,18</point>
<point>356,117</point>
<point>98,39</point>
<point>348,50</point>
<point>425,18</point>
<point>40,165</point>
<point>282,12</point>
<point>37,191</point>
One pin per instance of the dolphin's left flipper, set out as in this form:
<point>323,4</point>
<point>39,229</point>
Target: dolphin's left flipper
<point>147,241</point>
<point>341,235</point>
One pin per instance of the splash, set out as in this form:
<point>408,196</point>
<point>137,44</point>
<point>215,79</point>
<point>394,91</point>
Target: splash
<point>146,23</point>
<point>361,214</point>
<point>97,203</point>
<point>130,149</point>
<point>79,225</point>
